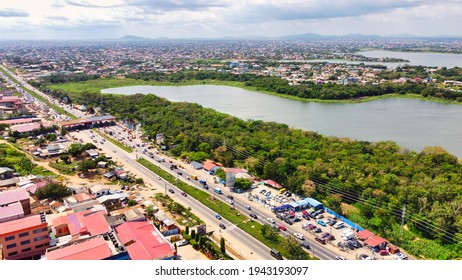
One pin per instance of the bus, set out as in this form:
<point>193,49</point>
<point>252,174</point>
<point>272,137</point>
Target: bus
<point>217,190</point>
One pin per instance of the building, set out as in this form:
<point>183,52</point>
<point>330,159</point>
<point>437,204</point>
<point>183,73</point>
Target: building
<point>86,223</point>
<point>6,173</point>
<point>211,167</point>
<point>196,165</point>
<point>87,249</point>
<point>99,190</point>
<point>24,238</point>
<point>11,212</point>
<point>18,195</point>
<point>143,241</point>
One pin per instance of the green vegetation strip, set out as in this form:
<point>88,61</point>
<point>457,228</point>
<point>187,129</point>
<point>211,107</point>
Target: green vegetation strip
<point>115,142</point>
<point>39,97</point>
<point>217,206</point>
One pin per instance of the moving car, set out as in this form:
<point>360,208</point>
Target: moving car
<point>182,243</point>
<point>230,201</point>
<point>271,220</point>
<point>247,207</point>
<point>184,194</point>
<point>253,215</point>
<point>305,245</point>
<point>171,190</point>
<point>299,236</point>
<point>281,227</point>
<point>222,226</point>
<point>218,216</point>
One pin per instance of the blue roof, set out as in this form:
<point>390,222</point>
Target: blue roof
<point>312,202</point>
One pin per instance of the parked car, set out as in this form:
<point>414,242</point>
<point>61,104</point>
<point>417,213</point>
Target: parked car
<point>222,226</point>
<point>383,252</point>
<point>340,258</point>
<point>320,240</point>
<point>317,230</point>
<point>339,225</point>
<point>328,236</point>
<point>289,221</point>
<point>363,256</point>
<point>281,227</point>
<point>321,222</point>
<point>400,256</point>
<point>182,243</point>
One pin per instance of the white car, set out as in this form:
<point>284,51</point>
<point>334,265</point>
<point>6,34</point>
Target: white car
<point>299,236</point>
<point>271,220</point>
<point>182,243</point>
<point>230,201</point>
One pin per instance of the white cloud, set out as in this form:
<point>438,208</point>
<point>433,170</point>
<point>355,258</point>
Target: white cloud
<point>208,18</point>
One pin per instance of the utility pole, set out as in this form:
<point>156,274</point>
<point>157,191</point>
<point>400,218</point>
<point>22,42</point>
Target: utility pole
<point>403,215</point>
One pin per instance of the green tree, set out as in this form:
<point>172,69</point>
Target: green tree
<point>193,234</point>
<point>53,190</point>
<point>65,158</point>
<point>86,164</point>
<point>294,250</point>
<point>131,203</point>
<point>242,183</point>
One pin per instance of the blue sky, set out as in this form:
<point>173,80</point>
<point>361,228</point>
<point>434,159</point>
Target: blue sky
<point>87,19</point>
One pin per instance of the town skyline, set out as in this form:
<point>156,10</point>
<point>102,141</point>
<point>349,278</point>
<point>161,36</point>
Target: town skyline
<point>109,19</point>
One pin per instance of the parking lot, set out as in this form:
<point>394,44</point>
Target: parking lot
<point>321,229</point>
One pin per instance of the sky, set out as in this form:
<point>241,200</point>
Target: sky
<point>101,19</point>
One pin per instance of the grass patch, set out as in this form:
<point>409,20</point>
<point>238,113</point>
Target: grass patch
<point>225,210</point>
<point>67,169</point>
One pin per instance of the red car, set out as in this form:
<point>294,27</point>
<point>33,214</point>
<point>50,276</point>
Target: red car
<point>383,252</point>
<point>281,227</point>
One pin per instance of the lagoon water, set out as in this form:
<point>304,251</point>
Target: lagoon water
<point>412,123</point>
<point>448,60</point>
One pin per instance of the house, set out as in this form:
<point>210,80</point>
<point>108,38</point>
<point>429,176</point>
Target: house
<point>143,241</point>
<point>6,173</point>
<point>313,203</point>
<point>196,165</point>
<point>76,189</point>
<point>92,153</point>
<point>87,249</point>
<point>32,189</point>
<point>102,164</point>
<point>364,234</point>
<point>77,198</point>
<point>99,190</point>
<point>121,174</point>
<point>81,224</point>
<point>112,201</point>
<point>24,238</point>
<point>87,205</point>
<point>17,195</point>
<point>272,183</point>
<point>377,242</point>
<point>211,167</point>
<point>11,212</point>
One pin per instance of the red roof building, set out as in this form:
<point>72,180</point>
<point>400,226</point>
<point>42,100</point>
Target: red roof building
<point>24,238</point>
<point>28,127</point>
<point>209,165</point>
<point>92,249</point>
<point>272,183</point>
<point>143,241</point>
<point>376,241</point>
<point>81,223</point>
<point>365,234</point>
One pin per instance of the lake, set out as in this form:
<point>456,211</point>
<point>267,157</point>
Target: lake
<point>412,123</point>
<point>448,60</point>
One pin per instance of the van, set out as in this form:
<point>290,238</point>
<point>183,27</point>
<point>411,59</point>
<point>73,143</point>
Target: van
<point>217,190</point>
<point>339,225</point>
<point>276,254</point>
